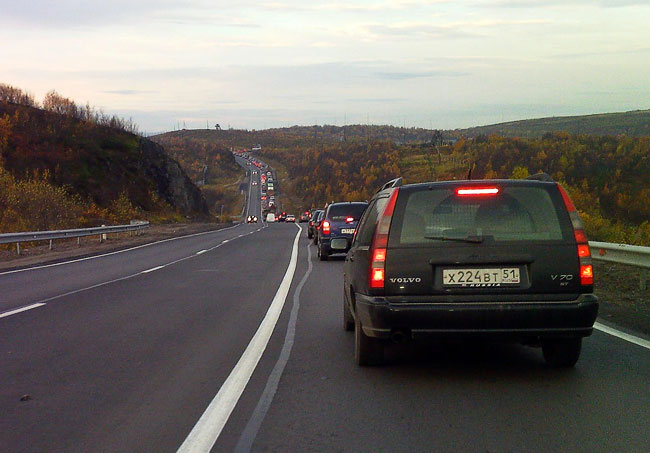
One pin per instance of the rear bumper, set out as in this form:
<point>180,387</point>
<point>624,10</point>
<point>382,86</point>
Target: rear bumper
<point>326,241</point>
<point>519,321</point>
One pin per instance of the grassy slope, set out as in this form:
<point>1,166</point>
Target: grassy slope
<point>635,124</point>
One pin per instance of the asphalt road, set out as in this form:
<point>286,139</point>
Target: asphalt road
<point>121,359</point>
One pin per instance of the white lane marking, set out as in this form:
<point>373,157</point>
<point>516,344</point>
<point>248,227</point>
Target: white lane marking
<point>116,252</point>
<point>20,310</point>
<point>207,430</point>
<point>245,443</point>
<point>152,269</point>
<point>226,241</point>
<point>201,252</point>
<point>80,290</point>
<point>622,335</point>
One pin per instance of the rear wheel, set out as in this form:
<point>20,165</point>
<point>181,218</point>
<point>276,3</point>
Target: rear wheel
<point>563,352</point>
<point>321,254</point>
<point>368,351</point>
<point>309,234</point>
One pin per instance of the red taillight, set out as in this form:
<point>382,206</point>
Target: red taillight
<point>584,254</point>
<point>586,274</point>
<point>377,278</point>
<point>349,219</point>
<point>477,191</point>
<point>581,237</point>
<point>377,268</point>
<point>326,227</point>
<point>379,255</point>
<point>379,244</point>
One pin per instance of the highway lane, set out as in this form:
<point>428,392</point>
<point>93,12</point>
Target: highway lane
<point>446,397</point>
<point>25,287</point>
<point>130,366</point>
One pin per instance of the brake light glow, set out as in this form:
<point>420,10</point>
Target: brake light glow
<point>326,226</point>
<point>379,244</point>
<point>584,254</point>
<point>478,191</point>
<point>349,219</point>
<point>377,278</point>
<point>379,255</point>
<point>586,274</point>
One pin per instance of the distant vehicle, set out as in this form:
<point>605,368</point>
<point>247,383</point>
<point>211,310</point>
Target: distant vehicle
<point>317,219</point>
<point>256,148</point>
<point>281,217</point>
<point>251,219</point>
<point>254,172</point>
<point>311,228</point>
<point>337,228</point>
<point>270,217</point>
<point>290,218</point>
<point>304,217</point>
<point>491,259</point>
<point>254,183</point>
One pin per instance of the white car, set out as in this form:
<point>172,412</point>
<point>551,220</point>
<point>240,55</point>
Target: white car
<point>270,217</point>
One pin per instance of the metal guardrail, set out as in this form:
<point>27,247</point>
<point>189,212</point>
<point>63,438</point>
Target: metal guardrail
<point>32,236</point>
<point>633,255</point>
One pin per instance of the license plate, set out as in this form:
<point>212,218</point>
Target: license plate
<point>481,277</point>
<point>347,230</point>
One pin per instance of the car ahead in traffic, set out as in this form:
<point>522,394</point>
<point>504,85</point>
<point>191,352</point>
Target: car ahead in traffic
<point>251,219</point>
<point>270,217</point>
<point>311,226</point>
<point>337,227</point>
<point>490,259</point>
<point>290,218</point>
<point>304,217</point>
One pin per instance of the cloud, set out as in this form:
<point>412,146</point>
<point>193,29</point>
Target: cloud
<point>561,3</point>
<point>128,92</point>
<point>418,75</point>
<point>412,30</point>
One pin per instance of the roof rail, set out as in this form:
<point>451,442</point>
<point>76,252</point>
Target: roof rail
<point>397,182</point>
<point>541,177</point>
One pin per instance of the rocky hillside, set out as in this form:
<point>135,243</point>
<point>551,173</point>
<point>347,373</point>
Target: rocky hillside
<point>106,171</point>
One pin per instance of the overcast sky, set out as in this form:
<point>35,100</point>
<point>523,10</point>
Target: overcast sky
<point>261,64</point>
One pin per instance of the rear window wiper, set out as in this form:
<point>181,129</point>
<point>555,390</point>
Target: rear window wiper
<point>471,239</point>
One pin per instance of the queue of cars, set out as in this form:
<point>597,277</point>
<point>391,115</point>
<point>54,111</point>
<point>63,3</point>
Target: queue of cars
<point>502,260</point>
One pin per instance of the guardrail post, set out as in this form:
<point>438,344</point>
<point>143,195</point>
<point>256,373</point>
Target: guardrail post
<point>18,248</point>
<point>50,244</point>
<point>78,240</point>
<point>643,281</point>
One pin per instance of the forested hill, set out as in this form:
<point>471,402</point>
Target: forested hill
<point>66,166</point>
<point>632,124</point>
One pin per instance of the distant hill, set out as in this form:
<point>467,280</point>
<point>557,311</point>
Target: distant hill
<point>632,124</point>
<point>100,173</point>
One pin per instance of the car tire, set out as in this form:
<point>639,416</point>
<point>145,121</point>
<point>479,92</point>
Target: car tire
<point>348,320</point>
<point>368,351</point>
<point>322,255</point>
<point>309,235</point>
<point>562,353</point>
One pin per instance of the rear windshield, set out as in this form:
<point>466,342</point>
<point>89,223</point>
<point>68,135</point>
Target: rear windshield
<point>516,213</point>
<point>342,211</point>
